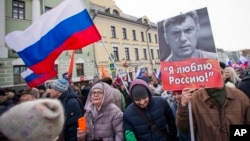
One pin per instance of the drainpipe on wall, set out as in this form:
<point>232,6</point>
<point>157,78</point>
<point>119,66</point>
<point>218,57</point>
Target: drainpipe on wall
<point>97,70</point>
<point>43,6</point>
<point>3,48</point>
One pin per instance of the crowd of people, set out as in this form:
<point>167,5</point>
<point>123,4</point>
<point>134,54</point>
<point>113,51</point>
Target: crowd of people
<point>118,111</point>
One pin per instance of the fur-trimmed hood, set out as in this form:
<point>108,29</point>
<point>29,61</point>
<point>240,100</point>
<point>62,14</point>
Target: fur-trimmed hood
<point>108,95</point>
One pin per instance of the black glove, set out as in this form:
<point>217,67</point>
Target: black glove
<point>173,138</point>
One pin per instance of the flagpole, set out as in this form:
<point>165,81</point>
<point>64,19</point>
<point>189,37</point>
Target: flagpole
<point>112,60</point>
<point>71,66</point>
<point>191,121</point>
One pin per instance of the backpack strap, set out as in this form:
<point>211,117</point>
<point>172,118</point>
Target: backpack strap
<point>153,126</point>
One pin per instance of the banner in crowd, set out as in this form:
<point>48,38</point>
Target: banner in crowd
<point>34,80</point>
<point>187,52</point>
<point>193,73</point>
<point>68,26</point>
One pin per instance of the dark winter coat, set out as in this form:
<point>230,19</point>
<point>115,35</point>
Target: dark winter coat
<point>73,111</point>
<point>244,85</point>
<point>158,111</point>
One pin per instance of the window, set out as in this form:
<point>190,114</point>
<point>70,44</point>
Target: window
<point>152,54</point>
<point>149,37</point>
<point>56,68</point>
<point>79,69</point>
<point>158,53</point>
<point>127,54</point>
<point>47,8</point>
<point>134,34</point>
<point>18,9</point>
<point>13,51</point>
<point>78,51</point>
<point>116,53</point>
<point>113,33</point>
<point>115,12</point>
<point>156,39</point>
<point>124,33</point>
<point>142,37</point>
<point>145,54</point>
<point>136,54</point>
<point>17,70</point>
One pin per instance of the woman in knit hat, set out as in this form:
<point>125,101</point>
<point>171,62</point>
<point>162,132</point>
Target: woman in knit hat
<point>104,118</point>
<point>37,120</point>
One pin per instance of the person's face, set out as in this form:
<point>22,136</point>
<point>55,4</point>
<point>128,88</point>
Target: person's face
<point>182,38</point>
<point>54,93</point>
<point>41,91</point>
<point>26,97</point>
<point>143,102</point>
<point>227,73</point>
<point>177,97</point>
<point>122,86</point>
<point>97,96</point>
<point>222,74</point>
<point>155,81</point>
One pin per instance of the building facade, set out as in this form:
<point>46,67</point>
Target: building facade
<point>128,42</point>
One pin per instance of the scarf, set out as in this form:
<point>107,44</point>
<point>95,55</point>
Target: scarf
<point>219,95</point>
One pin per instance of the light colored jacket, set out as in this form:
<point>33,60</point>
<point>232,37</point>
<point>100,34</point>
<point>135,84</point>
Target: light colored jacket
<point>107,124</point>
<point>211,121</point>
<point>118,99</point>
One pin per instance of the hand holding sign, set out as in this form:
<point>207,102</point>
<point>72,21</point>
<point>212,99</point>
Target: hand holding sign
<point>186,95</point>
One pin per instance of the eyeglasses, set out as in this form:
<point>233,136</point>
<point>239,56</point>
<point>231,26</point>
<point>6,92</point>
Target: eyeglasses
<point>98,93</point>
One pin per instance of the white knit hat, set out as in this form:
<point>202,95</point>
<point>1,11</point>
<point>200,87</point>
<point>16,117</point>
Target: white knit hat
<point>37,120</point>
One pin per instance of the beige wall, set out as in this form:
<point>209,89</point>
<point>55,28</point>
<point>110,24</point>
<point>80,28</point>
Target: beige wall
<point>104,23</point>
<point>105,3</point>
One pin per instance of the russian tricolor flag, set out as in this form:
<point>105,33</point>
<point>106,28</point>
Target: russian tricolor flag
<point>34,80</point>
<point>158,73</point>
<point>139,72</point>
<point>68,26</point>
<point>128,76</point>
<point>243,61</point>
<point>228,62</point>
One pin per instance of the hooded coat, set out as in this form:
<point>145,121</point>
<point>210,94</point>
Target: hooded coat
<point>157,110</point>
<point>107,124</point>
<point>244,84</point>
<point>73,110</point>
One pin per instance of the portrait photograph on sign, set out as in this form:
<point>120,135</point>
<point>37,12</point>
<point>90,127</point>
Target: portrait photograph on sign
<point>187,52</point>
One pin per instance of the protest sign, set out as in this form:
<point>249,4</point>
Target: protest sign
<point>202,72</point>
<point>187,52</point>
